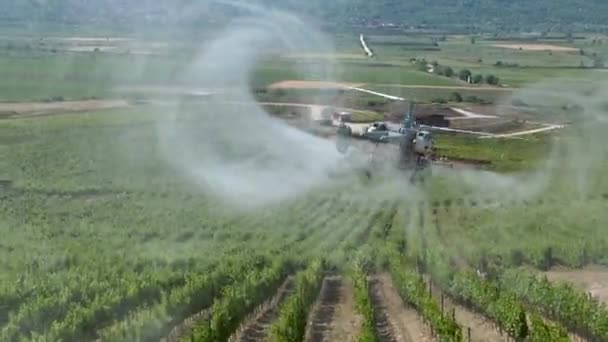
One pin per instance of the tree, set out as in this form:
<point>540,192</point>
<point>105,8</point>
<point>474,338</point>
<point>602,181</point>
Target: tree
<point>464,74</point>
<point>421,64</point>
<point>477,79</point>
<point>491,79</point>
<point>455,97</point>
<point>448,72</point>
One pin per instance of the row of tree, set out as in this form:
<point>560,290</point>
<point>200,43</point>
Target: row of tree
<point>467,75</point>
<point>447,71</point>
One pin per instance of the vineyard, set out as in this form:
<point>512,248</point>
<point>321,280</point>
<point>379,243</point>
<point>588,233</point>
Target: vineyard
<point>102,241</point>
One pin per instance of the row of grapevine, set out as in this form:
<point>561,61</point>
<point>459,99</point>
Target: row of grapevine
<point>293,316</point>
<point>500,306</point>
<point>504,308</point>
<point>364,304</point>
<point>413,290</point>
<point>184,302</point>
<point>238,300</point>
<point>542,331</point>
<point>74,310</point>
<point>560,302</point>
<point>70,295</point>
<point>197,294</point>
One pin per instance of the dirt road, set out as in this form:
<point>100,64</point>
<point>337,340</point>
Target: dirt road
<point>14,110</point>
<point>546,128</point>
<point>471,115</point>
<point>296,84</point>
<point>591,279</point>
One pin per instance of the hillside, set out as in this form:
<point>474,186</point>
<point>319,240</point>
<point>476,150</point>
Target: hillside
<point>487,14</point>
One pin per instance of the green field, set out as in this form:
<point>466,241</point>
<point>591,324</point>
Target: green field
<point>36,72</point>
<point>104,237</point>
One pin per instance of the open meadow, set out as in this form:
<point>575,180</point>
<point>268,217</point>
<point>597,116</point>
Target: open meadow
<point>139,203</point>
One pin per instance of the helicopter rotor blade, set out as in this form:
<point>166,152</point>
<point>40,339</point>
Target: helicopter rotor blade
<point>390,97</point>
<point>455,130</point>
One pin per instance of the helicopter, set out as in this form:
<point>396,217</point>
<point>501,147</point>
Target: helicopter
<point>415,145</point>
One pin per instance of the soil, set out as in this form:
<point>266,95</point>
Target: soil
<point>347,322</point>
<point>535,47</point>
<point>395,320</point>
<point>170,90</point>
<point>28,109</point>
<point>312,85</point>
<point>91,48</point>
<point>482,329</point>
<point>335,317</point>
<point>591,279</point>
<point>257,328</point>
<point>326,56</point>
<point>186,327</point>
<point>93,39</point>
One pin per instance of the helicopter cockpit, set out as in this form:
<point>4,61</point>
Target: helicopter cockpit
<point>423,143</point>
<point>378,127</point>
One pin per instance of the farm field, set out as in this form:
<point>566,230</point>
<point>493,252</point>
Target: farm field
<point>166,213</point>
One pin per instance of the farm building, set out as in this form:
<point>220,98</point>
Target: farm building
<point>433,120</point>
<point>434,115</point>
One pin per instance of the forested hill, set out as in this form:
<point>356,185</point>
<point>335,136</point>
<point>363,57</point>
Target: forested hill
<point>499,14</point>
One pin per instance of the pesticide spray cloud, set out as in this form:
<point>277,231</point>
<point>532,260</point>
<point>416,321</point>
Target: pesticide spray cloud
<point>573,161</point>
<point>229,144</point>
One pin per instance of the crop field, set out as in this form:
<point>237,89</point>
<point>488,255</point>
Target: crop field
<point>121,221</point>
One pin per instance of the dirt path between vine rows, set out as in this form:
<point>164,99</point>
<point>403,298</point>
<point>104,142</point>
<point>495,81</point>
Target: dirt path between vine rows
<point>257,327</point>
<point>482,329</point>
<point>395,320</point>
<point>334,317</point>
<point>20,110</point>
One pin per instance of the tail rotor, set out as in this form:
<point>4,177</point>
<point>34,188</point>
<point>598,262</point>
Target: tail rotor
<point>344,135</point>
